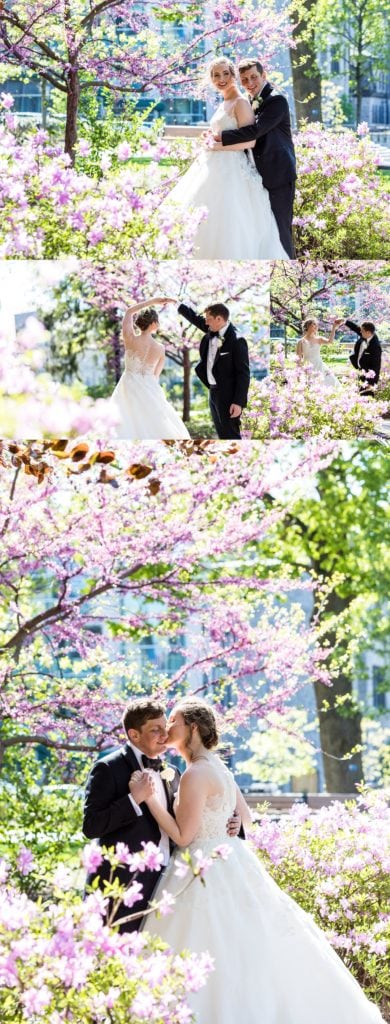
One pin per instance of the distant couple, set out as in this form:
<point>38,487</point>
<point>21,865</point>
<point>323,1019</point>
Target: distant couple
<point>366,356</point>
<point>143,411</point>
<point>271,962</point>
<point>245,175</point>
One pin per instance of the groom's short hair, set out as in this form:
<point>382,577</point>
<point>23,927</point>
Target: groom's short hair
<point>218,309</point>
<point>248,62</point>
<point>367,325</point>
<point>140,711</point>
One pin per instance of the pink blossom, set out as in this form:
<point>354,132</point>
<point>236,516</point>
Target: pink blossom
<point>92,857</point>
<point>25,861</point>
<point>133,894</point>
<point>124,151</point>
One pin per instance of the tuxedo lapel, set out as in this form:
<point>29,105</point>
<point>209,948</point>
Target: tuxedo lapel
<point>266,92</point>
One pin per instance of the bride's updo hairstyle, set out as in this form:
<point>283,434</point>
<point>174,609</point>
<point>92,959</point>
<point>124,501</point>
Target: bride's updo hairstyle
<point>309,322</point>
<point>145,318</point>
<point>197,712</point>
<point>216,64</point>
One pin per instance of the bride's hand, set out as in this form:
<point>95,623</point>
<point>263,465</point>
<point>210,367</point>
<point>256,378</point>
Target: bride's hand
<point>164,300</point>
<point>142,786</point>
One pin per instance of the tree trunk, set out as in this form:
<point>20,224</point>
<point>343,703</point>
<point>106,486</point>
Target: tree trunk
<point>306,75</point>
<point>72,106</point>
<point>340,728</point>
<point>116,347</point>
<point>186,384</point>
<point>43,103</point>
<point>359,69</point>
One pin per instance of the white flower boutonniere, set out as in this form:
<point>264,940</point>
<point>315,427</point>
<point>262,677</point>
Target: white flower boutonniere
<point>168,773</point>
<point>256,103</point>
<point>220,342</point>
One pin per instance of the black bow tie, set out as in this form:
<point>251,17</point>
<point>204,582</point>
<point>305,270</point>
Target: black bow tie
<point>214,334</point>
<point>152,762</point>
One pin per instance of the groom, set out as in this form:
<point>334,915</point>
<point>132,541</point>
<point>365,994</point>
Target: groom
<point>112,815</point>
<point>367,353</point>
<point>273,153</point>
<point>223,367</point>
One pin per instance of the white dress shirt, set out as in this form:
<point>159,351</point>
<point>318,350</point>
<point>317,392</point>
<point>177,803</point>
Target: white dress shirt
<point>161,797</point>
<point>362,347</point>
<point>212,352</point>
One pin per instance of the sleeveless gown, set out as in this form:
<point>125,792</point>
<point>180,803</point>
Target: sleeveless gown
<point>240,224</point>
<point>312,355</point>
<point>273,965</point>
<point>144,412</point>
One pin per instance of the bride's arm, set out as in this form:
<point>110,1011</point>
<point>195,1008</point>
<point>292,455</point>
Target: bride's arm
<point>243,809</point>
<point>300,350</point>
<point>192,797</point>
<point>128,332</point>
<point>159,366</point>
<point>330,339</point>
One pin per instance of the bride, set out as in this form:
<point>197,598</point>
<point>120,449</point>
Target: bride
<point>272,963</point>
<point>308,349</point>
<point>239,222</point>
<point>139,401</point>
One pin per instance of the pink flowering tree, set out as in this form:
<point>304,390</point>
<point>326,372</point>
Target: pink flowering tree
<point>323,288</point>
<point>118,46</point>
<point>108,582</point>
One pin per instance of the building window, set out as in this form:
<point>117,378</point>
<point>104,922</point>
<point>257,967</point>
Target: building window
<point>378,687</point>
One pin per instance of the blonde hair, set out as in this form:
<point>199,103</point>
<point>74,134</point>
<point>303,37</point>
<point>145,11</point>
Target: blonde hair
<point>311,320</point>
<point>221,60</point>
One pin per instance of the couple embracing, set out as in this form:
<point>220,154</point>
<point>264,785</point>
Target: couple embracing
<point>271,962</point>
<point>244,178</point>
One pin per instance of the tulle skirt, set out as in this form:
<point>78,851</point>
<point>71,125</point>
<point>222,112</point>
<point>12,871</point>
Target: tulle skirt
<point>273,965</point>
<point>144,412</point>
<point>240,224</point>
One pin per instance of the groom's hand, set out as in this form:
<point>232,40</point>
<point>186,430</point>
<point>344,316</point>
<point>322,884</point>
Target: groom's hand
<point>233,824</point>
<point>235,410</point>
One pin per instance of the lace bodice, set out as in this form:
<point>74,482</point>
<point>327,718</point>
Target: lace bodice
<point>218,808</point>
<point>135,364</point>
<point>222,120</point>
<point>312,354</point>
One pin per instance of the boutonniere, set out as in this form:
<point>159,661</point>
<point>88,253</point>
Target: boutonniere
<point>220,342</point>
<point>256,103</point>
<point>167,773</point>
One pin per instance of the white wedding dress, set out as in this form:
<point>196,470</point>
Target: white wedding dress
<point>311,354</point>
<point>273,965</point>
<point>143,410</point>
<point>240,224</point>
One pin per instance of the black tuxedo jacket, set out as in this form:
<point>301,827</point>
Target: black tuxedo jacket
<point>372,356</point>
<point>109,815</point>
<point>231,365</point>
<point>274,152</point>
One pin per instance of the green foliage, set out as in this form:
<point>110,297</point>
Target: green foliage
<point>105,122</point>
<point>282,750</point>
<point>40,810</point>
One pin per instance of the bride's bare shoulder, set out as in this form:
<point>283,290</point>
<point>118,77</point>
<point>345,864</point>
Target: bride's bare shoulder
<point>243,109</point>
